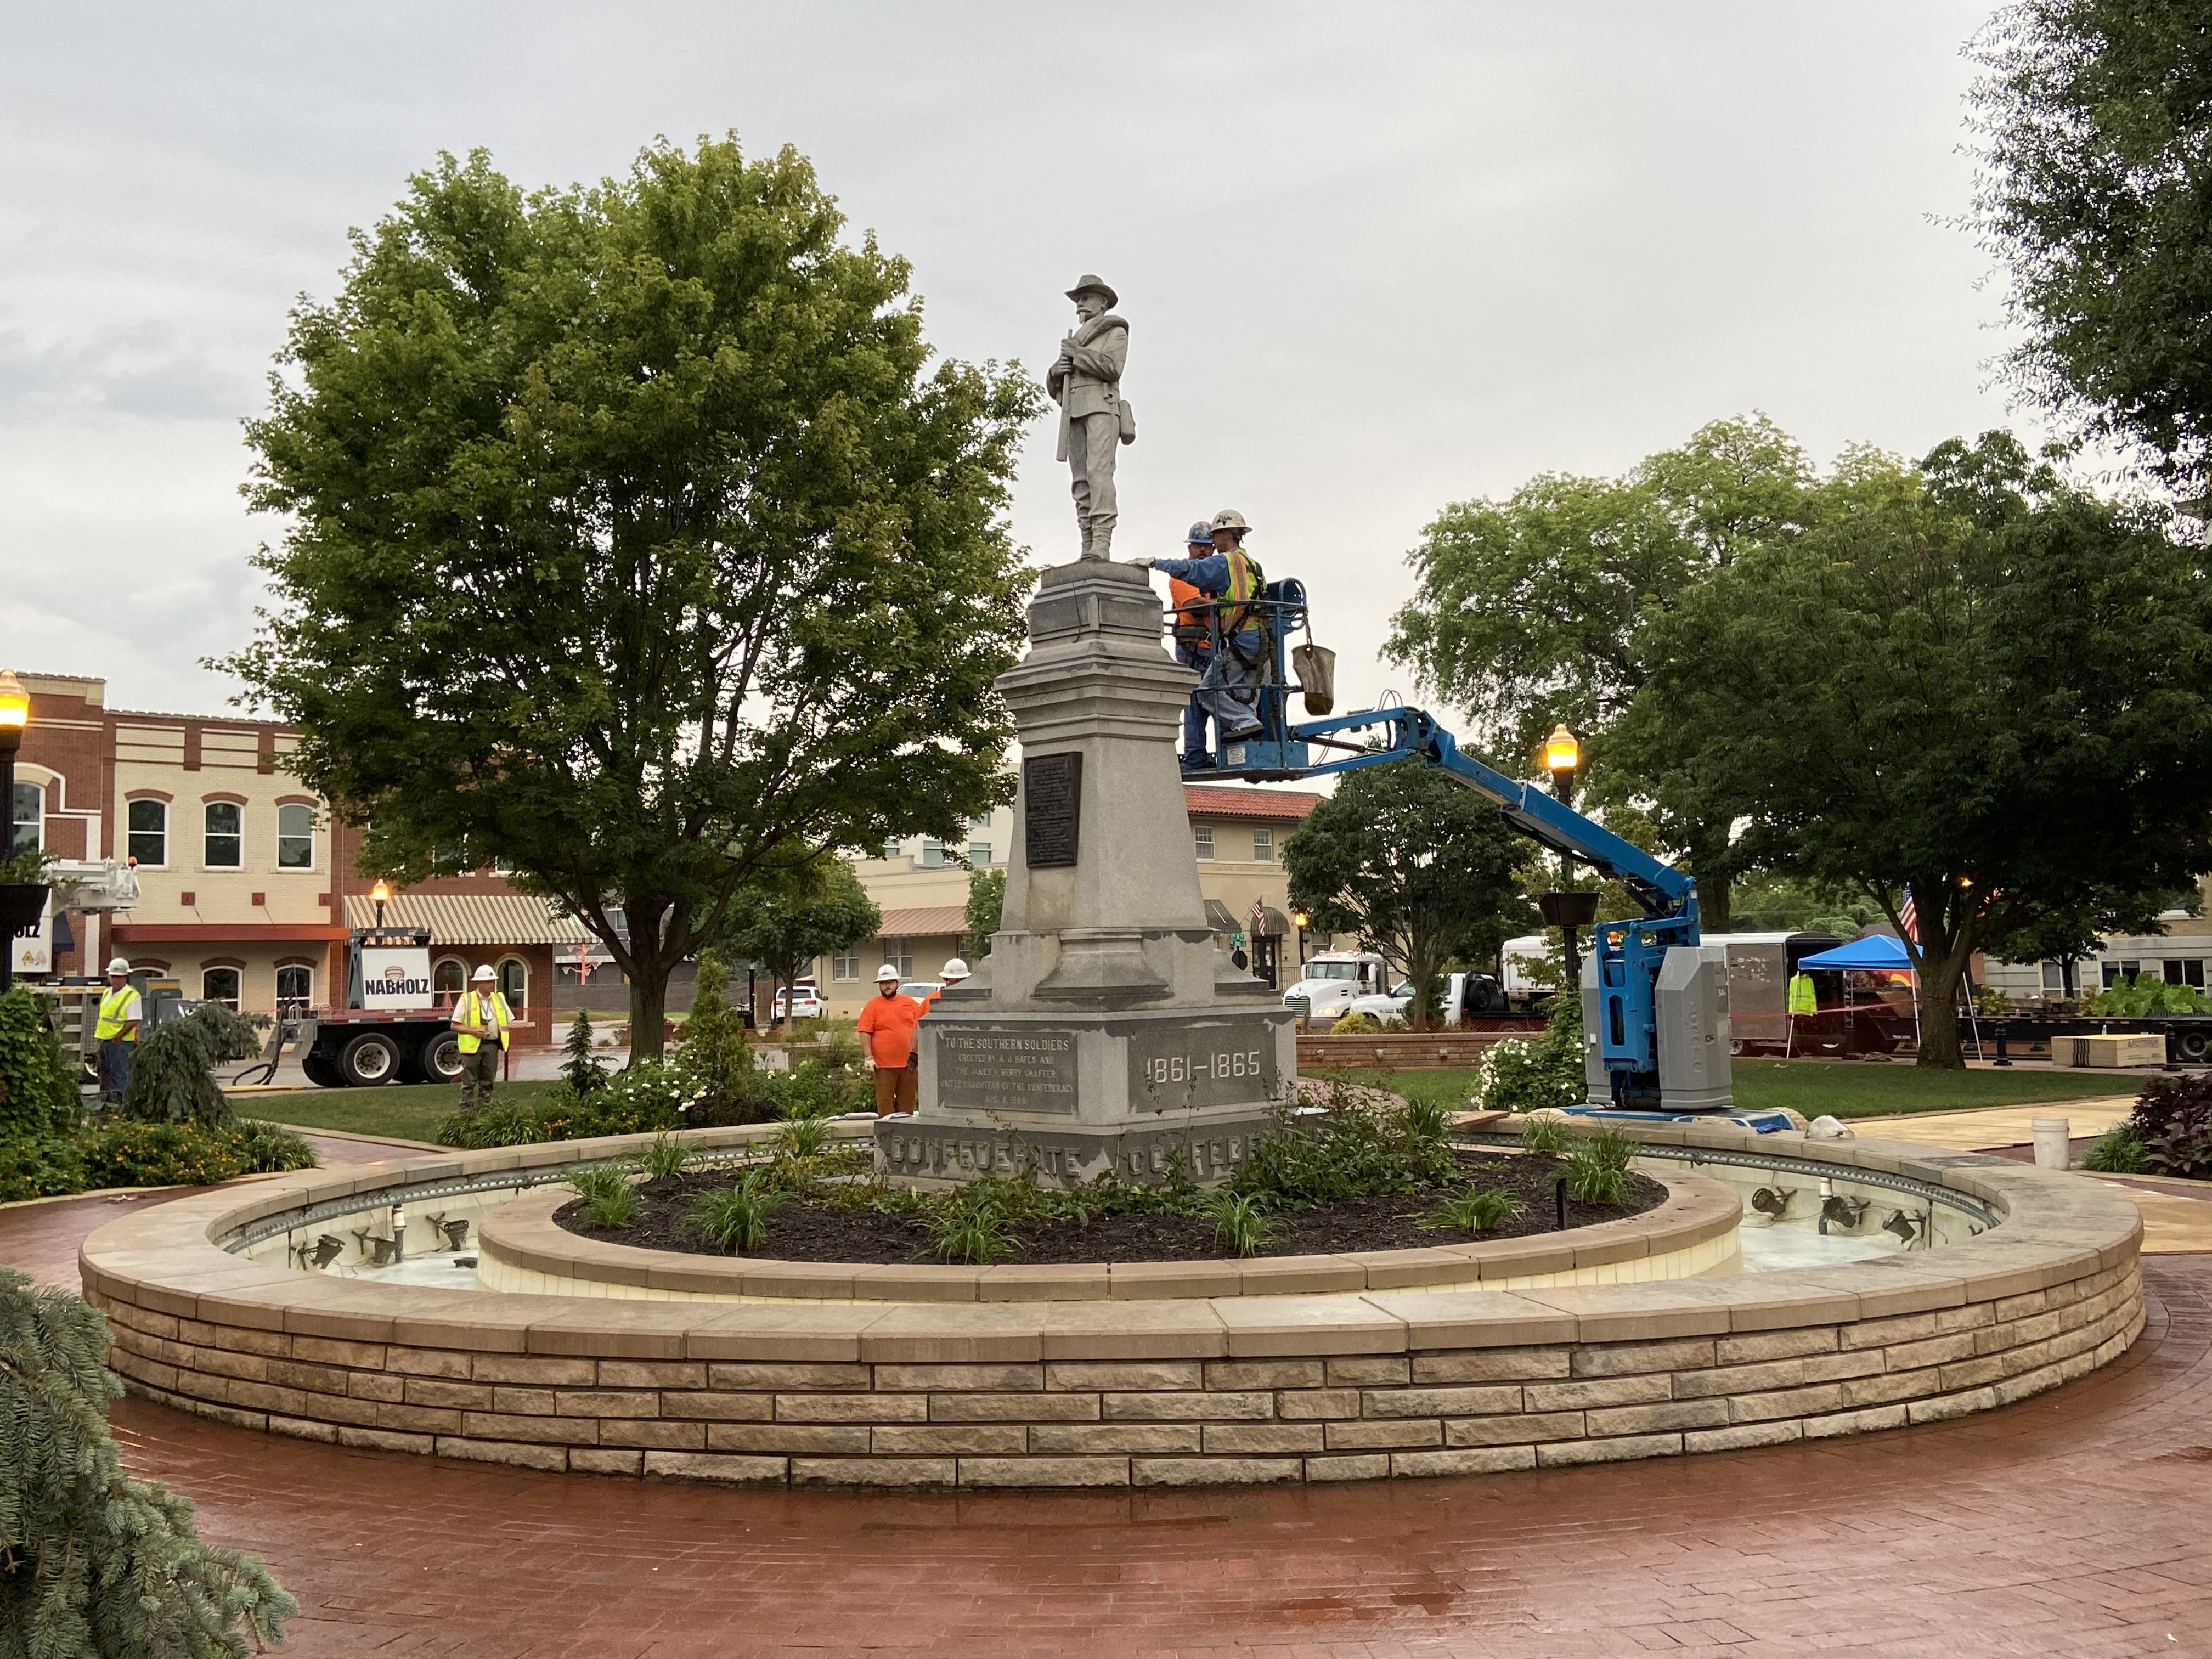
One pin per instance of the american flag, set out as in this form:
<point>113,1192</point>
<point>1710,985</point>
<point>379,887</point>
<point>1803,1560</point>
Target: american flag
<point>1909,918</point>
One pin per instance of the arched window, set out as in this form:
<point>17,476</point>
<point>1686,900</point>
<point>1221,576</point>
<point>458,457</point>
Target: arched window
<point>295,990</point>
<point>515,982</point>
<point>150,832</point>
<point>295,837</point>
<point>448,981</point>
<point>226,835</point>
<point>220,985</point>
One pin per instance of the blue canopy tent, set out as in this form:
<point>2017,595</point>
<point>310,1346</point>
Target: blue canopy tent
<point>1876,953</point>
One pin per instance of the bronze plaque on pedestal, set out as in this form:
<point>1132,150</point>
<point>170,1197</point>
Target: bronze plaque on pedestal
<point>1052,809</point>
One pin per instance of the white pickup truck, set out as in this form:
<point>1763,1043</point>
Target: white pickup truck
<point>1465,996</point>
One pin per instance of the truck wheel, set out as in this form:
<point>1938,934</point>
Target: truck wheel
<point>321,1070</point>
<point>441,1059</point>
<point>2193,1045</point>
<point>369,1060</point>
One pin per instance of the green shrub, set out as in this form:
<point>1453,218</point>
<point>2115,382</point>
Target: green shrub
<point>40,1166</point>
<point>2173,1119</point>
<point>1518,1074</point>
<point>1354,1024</point>
<point>610,1201</point>
<point>1474,1211</point>
<point>666,1157</point>
<point>38,1085</point>
<point>2140,994</point>
<point>2118,1152</point>
<point>1597,1167</point>
<point>1547,1137</point>
<point>580,1068</point>
<point>974,1225</point>
<point>1242,1223</point>
<point>93,1563</point>
<point>735,1219</point>
<point>123,1153</point>
<point>1351,1149</point>
<point>495,1125</point>
<point>715,1053</point>
<point>171,1075</point>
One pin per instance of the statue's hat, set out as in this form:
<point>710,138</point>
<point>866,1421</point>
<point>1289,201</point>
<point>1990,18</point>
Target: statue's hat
<point>1090,283</point>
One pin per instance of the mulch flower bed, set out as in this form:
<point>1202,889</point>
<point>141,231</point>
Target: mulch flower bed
<point>805,1230</point>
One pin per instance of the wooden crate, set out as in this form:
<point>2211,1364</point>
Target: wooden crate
<point>2112,1048</point>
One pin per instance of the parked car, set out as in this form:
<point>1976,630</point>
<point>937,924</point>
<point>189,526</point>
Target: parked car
<point>799,1001</point>
<point>922,989</point>
<point>1465,996</point>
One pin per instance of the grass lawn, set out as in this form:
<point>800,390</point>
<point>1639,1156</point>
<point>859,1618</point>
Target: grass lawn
<point>1854,1089</point>
<point>407,1111</point>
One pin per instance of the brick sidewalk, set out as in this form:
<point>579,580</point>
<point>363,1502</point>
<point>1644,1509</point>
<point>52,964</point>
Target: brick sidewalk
<point>2073,1523</point>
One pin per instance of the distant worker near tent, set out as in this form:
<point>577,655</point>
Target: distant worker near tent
<point>481,1014</point>
<point>1230,577</point>
<point>886,1024</point>
<point>117,1033</point>
<point>1804,1002</point>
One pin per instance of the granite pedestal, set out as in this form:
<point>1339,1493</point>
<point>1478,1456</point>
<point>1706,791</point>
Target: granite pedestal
<point>1104,1032</point>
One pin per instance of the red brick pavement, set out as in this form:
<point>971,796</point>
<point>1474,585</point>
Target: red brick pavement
<point>2079,1523</point>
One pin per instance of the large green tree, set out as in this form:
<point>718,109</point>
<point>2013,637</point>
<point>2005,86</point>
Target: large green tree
<point>2096,191</point>
<point>1419,868</point>
<point>631,543</point>
<point>1537,608</point>
<point>1971,678</point>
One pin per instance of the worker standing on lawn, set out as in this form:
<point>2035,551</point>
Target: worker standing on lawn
<point>887,1022</point>
<point>117,1033</point>
<point>481,1019</point>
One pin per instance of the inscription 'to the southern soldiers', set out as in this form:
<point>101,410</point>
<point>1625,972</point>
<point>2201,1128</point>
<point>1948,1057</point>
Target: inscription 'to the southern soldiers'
<point>1052,809</point>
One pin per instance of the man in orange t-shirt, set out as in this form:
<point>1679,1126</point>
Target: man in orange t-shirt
<point>887,1024</point>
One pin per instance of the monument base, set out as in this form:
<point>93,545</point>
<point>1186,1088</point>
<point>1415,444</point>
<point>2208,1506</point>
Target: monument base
<point>1066,1097</point>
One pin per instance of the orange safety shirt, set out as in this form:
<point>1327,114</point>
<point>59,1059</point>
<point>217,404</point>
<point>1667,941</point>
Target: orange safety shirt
<point>1190,611</point>
<point>888,1022</point>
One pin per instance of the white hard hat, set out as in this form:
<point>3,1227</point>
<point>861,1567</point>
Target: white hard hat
<point>1229,518</point>
<point>955,968</point>
<point>118,966</point>
<point>886,973</point>
<point>486,971</point>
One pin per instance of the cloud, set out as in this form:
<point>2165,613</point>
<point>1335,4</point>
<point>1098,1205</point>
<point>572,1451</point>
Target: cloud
<point>140,370</point>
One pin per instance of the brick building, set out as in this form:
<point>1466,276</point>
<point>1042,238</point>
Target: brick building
<point>246,888</point>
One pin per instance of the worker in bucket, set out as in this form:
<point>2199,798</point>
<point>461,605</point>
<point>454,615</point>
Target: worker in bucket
<point>1232,577</point>
<point>1193,642</point>
<point>481,1022</point>
<point>117,1032</point>
<point>886,1025</point>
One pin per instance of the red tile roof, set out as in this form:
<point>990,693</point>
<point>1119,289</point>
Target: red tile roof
<point>1218,802</point>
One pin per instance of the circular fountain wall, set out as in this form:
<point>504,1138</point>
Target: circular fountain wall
<point>2001,1281</point>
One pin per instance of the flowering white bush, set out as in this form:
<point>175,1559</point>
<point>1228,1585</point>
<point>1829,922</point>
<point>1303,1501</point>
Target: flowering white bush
<point>1526,1074</point>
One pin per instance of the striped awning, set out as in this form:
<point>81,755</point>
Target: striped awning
<point>925,921</point>
<point>470,918</point>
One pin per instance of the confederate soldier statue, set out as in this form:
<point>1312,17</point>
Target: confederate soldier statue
<point>1086,382</point>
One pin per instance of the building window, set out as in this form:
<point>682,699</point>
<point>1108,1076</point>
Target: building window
<point>26,819</point>
<point>845,965</point>
<point>890,849</point>
<point>933,854</point>
<point>295,837</point>
<point>150,832</point>
<point>295,990</point>
<point>1263,846</point>
<point>1202,835</point>
<point>2054,977</point>
<point>983,823</point>
<point>226,835</point>
<point>448,981</point>
<point>515,982</point>
<point>899,954</point>
<point>979,854</point>
<point>220,985</point>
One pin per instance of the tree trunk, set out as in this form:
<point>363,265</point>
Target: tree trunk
<point>1714,900</point>
<point>648,982</point>
<point>1939,1015</point>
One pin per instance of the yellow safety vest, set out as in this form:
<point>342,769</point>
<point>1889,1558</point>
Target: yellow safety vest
<point>1245,581</point>
<point>1801,998</point>
<point>115,1014</point>
<point>472,1013</point>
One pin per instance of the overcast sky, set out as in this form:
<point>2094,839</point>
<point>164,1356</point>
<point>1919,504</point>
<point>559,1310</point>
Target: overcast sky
<point>1376,258</point>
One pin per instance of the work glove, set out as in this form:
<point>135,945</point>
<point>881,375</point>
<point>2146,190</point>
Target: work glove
<point>1142,564</point>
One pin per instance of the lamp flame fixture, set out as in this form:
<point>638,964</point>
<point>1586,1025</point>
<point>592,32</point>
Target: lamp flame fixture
<point>15,716</point>
<point>380,896</point>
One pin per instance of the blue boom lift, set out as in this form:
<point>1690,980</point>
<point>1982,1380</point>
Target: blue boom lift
<point>1655,1001</point>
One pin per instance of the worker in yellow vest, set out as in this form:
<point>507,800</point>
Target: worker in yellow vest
<point>117,1033</point>
<point>481,1019</point>
<point>1803,1004</point>
<point>1229,691</point>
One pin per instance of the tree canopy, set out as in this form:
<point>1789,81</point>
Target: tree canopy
<point>2096,191</point>
<point>1419,866</point>
<point>1971,678</point>
<point>631,544</point>
<point>785,926</point>
<point>1537,608</point>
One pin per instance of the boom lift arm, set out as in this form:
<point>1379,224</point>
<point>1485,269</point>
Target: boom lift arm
<point>1645,1049</point>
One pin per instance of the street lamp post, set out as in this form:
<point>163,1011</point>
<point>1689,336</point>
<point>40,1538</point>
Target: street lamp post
<point>1566,910</point>
<point>380,896</point>
<point>15,715</point>
<point>1301,921</point>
